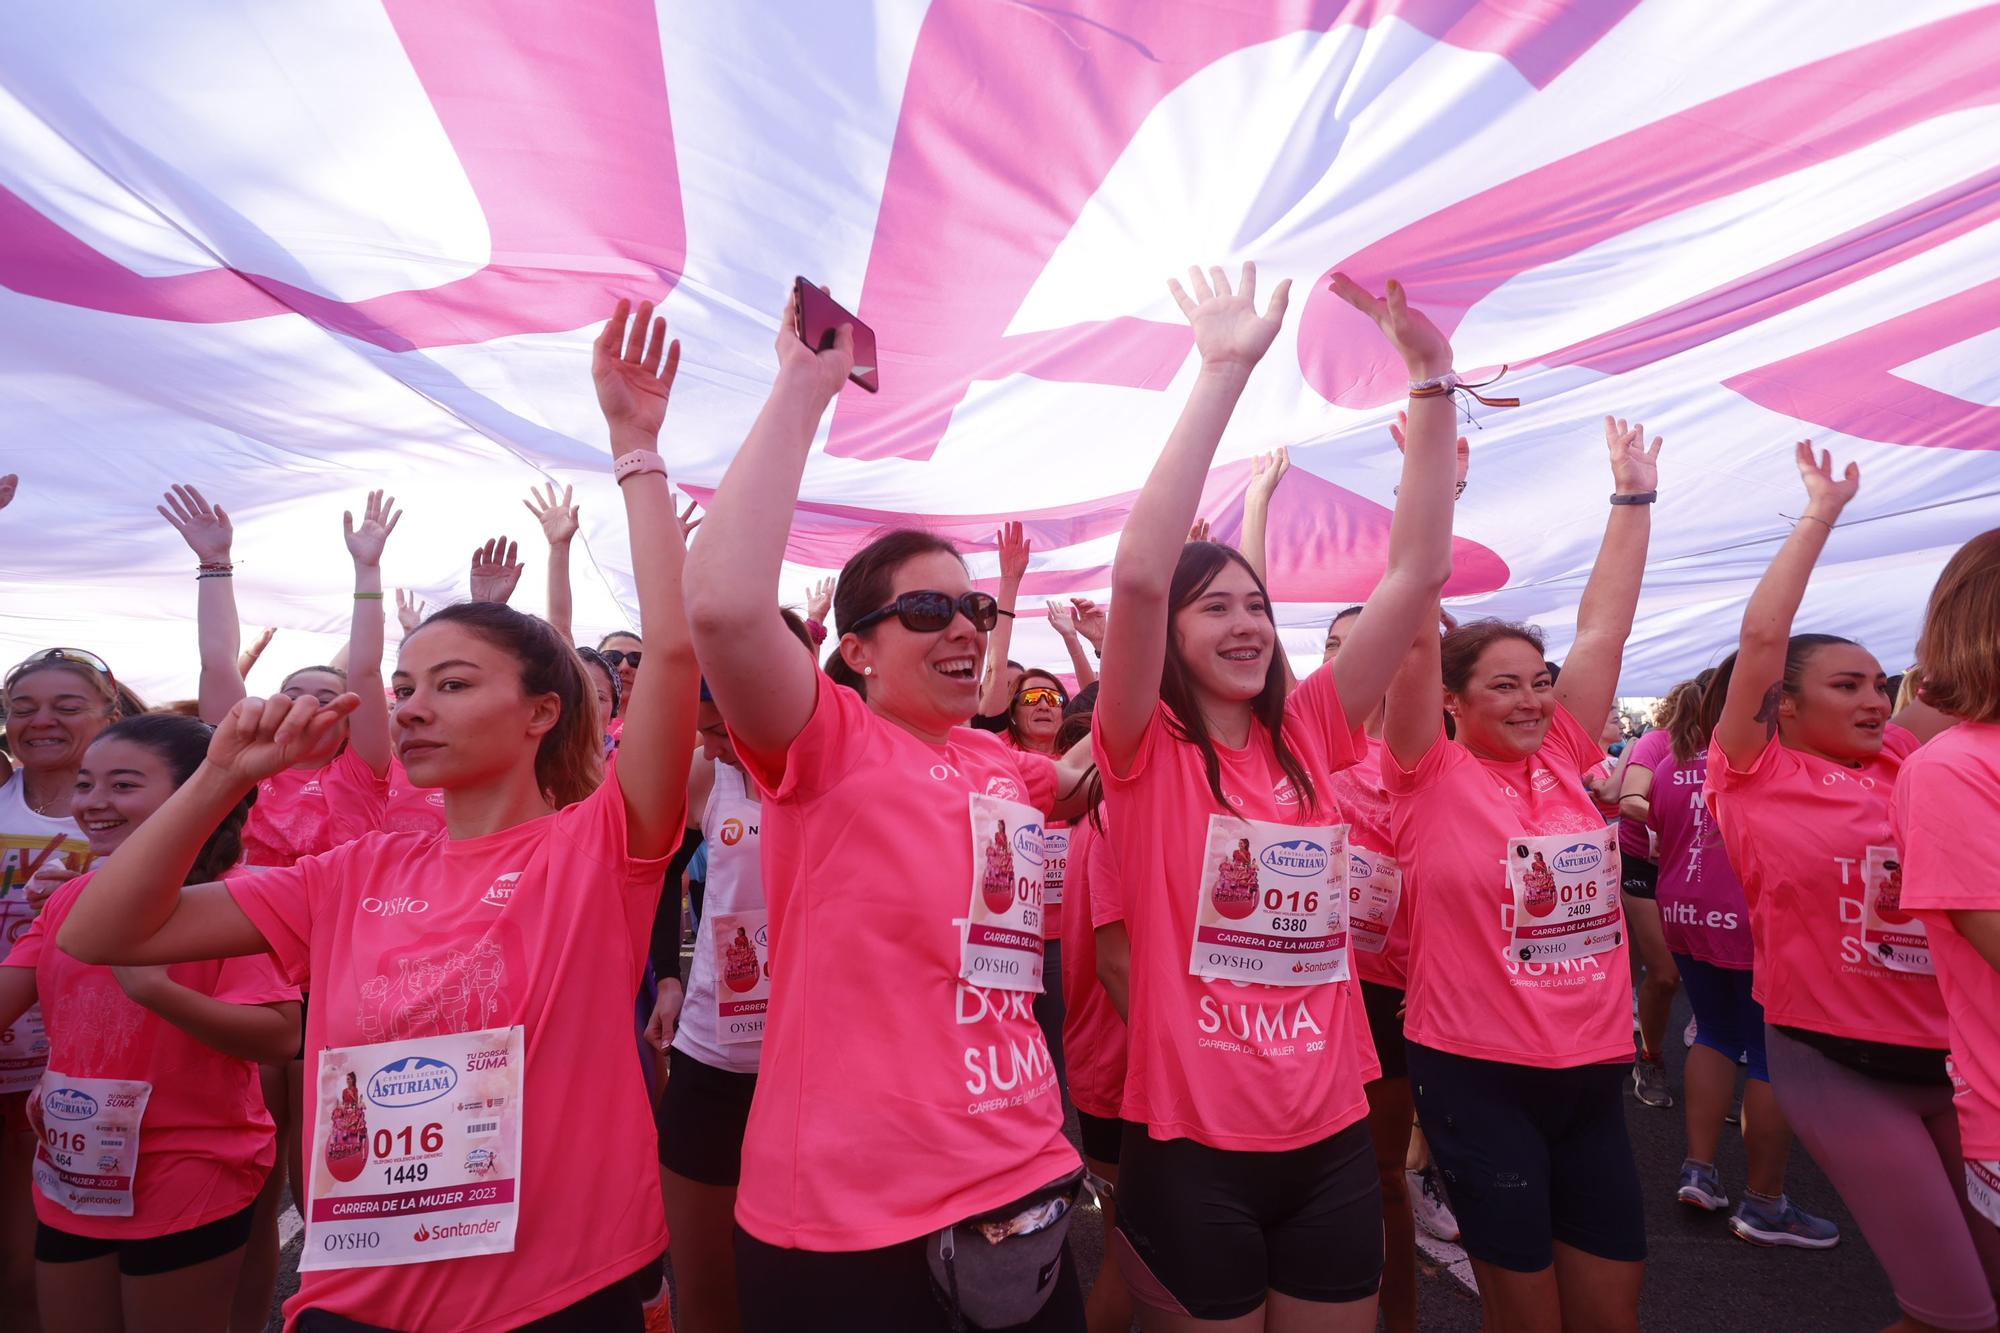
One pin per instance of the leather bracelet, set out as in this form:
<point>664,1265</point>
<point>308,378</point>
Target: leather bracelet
<point>1636,498</point>
<point>637,463</point>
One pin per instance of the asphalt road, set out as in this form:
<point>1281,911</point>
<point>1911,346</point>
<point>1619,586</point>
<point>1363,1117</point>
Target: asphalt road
<point>1699,1276</point>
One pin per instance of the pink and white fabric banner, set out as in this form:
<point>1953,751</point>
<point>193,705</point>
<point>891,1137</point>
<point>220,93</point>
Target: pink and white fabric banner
<point>290,253</point>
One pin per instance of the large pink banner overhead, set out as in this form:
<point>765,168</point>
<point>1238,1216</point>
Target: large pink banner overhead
<point>290,255</point>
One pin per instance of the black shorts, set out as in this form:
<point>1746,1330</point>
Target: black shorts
<point>152,1255</point>
<point>1384,1005</point>
<point>1532,1156</point>
<point>868,1291</point>
<point>1100,1136</point>
<point>701,1120</point>
<point>1642,878</point>
<point>617,1308</point>
<point>1211,1233</point>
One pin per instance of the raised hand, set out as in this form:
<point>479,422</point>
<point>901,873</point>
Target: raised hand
<point>688,521</point>
<point>1062,619</point>
<point>633,366</point>
<point>1824,491</point>
<point>1402,424</point>
<point>821,372</point>
<point>559,518</point>
<point>410,610</point>
<point>1426,352</point>
<point>50,875</point>
<point>1014,548</point>
<point>1266,471</point>
<point>1228,331</point>
<point>819,601</point>
<point>204,527</point>
<point>495,571</point>
<point>260,737</point>
<point>248,657</point>
<point>1635,469</point>
<point>365,542</point>
<point>1199,532</point>
<point>8,484</point>
<point>1089,618</point>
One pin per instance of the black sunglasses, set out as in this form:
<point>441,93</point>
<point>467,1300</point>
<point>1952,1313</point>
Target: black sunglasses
<point>930,612</point>
<point>618,656</point>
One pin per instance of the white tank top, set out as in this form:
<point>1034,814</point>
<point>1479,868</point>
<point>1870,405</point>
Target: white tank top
<point>722,1018</point>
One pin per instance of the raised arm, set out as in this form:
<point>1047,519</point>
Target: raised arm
<point>495,570</point>
<point>1413,712</point>
<point>559,520</point>
<point>760,680</point>
<point>1062,619</point>
<point>137,910</point>
<point>1232,338</point>
<point>266,1033</point>
<point>1266,471</point>
<point>1405,599</point>
<point>1750,710</point>
<point>210,535</point>
<point>1635,789</point>
<point>369,732</point>
<point>634,372</point>
<point>247,659</point>
<point>1589,682</point>
<point>1014,549</point>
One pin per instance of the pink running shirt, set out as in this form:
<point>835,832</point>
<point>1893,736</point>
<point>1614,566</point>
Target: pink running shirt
<point>1798,828</point>
<point>894,1099</point>
<point>1093,1033</point>
<point>302,811</point>
<point>409,808</point>
<point>1947,813</point>
<point>1452,817</point>
<point>1365,801</point>
<point>1239,1066</point>
<point>545,924</point>
<point>206,1142</point>
<point>1703,912</point>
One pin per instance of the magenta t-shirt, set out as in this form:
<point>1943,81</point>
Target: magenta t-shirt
<point>1702,908</point>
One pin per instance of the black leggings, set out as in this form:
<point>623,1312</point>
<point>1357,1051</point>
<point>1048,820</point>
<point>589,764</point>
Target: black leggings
<point>867,1291</point>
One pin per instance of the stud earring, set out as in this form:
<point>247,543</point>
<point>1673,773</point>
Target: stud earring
<point>867,671</point>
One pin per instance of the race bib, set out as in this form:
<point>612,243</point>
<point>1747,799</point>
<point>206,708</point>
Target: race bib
<point>1565,889</point>
<point>1273,903</point>
<point>742,943</point>
<point>1374,892</point>
<point>87,1141</point>
<point>1982,1189</point>
<point>1890,936</point>
<point>1055,854</point>
<point>416,1151</point>
<point>1002,933</point>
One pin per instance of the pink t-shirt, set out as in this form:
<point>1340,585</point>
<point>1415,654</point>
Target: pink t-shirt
<point>1947,817</point>
<point>410,808</point>
<point>1093,1033</point>
<point>1798,828</point>
<point>545,925</point>
<point>1365,802</point>
<point>894,1098</point>
<point>1235,1065</point>
<point>206,1142</point>
<point>1452,817</point>
<point>1702,908</point>
<point>303,811</point>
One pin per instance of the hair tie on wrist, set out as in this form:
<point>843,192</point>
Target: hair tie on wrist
<point>817,630</point>
<point>367,596</point>
<point>1443,386</point>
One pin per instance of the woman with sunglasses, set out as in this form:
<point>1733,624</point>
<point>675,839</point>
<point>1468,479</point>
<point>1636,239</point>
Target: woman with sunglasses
<point>500,960</point>
<point>58,701</point>
<point>327,798</point>
<point>153,1068</point>
<point>905,1087</point>
<point>1248,1197</point>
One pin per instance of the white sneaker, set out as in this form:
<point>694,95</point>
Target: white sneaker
<point>1687,1037</point>
<point>1427,1200</point>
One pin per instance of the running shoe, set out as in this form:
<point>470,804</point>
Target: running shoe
<point>1781,1222</point>
<point>1649,1082</point>
<point>1433,1210</point>
<point>1701,1186</point>
<point>1689,1033</point>
<point>1735,1115</point>
<point>658,1312</point>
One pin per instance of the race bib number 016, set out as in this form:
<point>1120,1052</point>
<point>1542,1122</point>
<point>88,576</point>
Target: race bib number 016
<point>1565,889</point>
<point>1374,892</point>
<point>1273,903</point>
<point>1889,935</point>
<point>87,1142</point>
<point>1001,943</point>
<point>416,1151</point>
<point>1982,1189</point>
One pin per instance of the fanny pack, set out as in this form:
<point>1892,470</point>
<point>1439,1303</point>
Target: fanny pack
<point>999,1268</point>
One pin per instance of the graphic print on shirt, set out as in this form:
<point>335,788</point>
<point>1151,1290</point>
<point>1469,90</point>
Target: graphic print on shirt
<point>1890,936</point>
<point>1273,902</point>
<point>742,942</point>
<point>24,1044</point>
<point>1007,1064</point>
<point>1001,934</point>
<point>431,989</point>
<point>1565,890</point>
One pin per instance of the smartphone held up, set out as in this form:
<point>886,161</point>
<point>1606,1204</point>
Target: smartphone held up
<point>820,317</point>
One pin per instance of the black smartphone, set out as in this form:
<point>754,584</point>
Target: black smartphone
<point>820,316</point>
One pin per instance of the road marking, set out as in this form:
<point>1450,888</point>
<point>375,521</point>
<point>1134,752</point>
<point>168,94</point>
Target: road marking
<point>290,1224</point>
